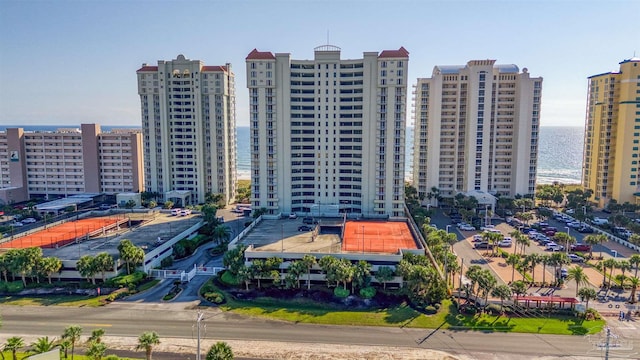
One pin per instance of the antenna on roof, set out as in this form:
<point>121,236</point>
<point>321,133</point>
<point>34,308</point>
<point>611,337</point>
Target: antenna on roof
<point>329,42</point>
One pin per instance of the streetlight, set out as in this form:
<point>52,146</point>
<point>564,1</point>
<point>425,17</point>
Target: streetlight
<point>486,214</point>
<point>448,226</point>
<point>567,248</point>
<point>615,253</point>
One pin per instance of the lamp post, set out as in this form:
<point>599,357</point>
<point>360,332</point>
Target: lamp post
<point>447,228</point>
<point>615,254</point>
<point>282,239</point>
<point>486,214</point>
<point>567,248</point>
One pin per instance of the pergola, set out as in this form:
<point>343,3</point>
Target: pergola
<point>545,301</point>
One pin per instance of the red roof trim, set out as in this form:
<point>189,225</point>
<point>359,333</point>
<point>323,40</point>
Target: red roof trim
<point>148,68</point>
<point>260,55</point>
<point>214,68</point>
<point>400,53</point>
<point>548,299</point>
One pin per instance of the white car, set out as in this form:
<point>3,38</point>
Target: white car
<point>17,224</point>
<point>293,216</point>
<point>554,247</point>
<point>28,221</point>
<point>575,258</point>
<point>185,212</point>
<point>506,242</point>
<point>477,238</point>
<point>467,228</point>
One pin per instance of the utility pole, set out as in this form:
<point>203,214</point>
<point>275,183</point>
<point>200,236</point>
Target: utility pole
<point>198,323</point>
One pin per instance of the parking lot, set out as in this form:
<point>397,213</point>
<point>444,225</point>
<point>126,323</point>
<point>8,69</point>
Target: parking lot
<point>504,273</point>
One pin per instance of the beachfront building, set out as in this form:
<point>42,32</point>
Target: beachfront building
<point>328,134</point>
<point>612,135</point>
<point>476,129</point>
<point>189,128</point>
<point>69,161</point>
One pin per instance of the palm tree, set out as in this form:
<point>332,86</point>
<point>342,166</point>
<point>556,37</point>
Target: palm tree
<point>221,233</point>
<point>72,333</point>
<point>609,264</point>
<point>96,350</point>
<point>50,266</point>
<point>533,260</point>
<point>147,341</point>
<point>220,351</point>
<point>14,344</point>
<point>635,261</point>
<point>384,275</point>
<point>577,274</point>
<point>592,240</point>
<point>545,260</point>
<point>503,292</point>
<point>513,260</point>
<point>64,345</point>
<point>103,262</point>
<point>634,282</point>
<point>586,294</point>
<point>43,344</point>
<point>565,239</point>
<point>96,335</point>
<point>86,267</point>
<point>624,266</point>
<point>309,261</point>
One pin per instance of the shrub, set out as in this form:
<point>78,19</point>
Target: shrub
<point>494,309</point>
<point>228,279</point>
<point>368,292</point>
<point>430,310</point>
<point>166,262</point>
<point>118,294</point>
<point>340,292</point>
<point>127,280</point>
<point>592,314</point>
<point>11,286</point>
<point>215,297</point>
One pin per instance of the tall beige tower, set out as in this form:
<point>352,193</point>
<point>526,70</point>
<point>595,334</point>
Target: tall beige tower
<point>189,127</point>
<point>476,129</point>
<point>612,135</point>
<point>328,134</point>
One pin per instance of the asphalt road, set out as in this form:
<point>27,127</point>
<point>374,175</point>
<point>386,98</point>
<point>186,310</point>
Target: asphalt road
<point>173,321</point>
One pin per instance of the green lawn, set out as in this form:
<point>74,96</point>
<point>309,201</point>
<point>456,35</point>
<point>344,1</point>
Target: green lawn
<point>306,311</point>
<point>62,300</point>
<point>22,355</point>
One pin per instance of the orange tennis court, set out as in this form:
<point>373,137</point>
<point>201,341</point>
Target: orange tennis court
<point>63,234</point>
<point>377,236</point>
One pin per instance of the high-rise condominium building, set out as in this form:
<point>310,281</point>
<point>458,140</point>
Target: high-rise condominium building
<point>328,134</point>
<point>612,135</point>
<point>49,164</point>
<point>476,129</point>
<point>188,122</point>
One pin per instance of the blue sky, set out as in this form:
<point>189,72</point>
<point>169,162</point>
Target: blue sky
<point>70,62</point>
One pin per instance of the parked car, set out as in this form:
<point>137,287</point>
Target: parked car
<point>293,216</point>
<point>28,221</point>
<point>185,212</point>
<point>599,221</point>
<point>309,220</point>
<point>563,273</point>
<point>580,247</point>
<point>483,245</point>
<point>304,228</point>
<point>575,258</point>
<point>585,229</point>
<point>506,242</point>
<point>551,246</point>
<point>477,238</point>
<point>176,211</point>
<point>466,227</point>
<point>17,224</point>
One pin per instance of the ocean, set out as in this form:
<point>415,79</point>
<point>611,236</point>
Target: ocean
<point>559,155</point>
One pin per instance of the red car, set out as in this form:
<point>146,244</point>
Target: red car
<point>580,247</point>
